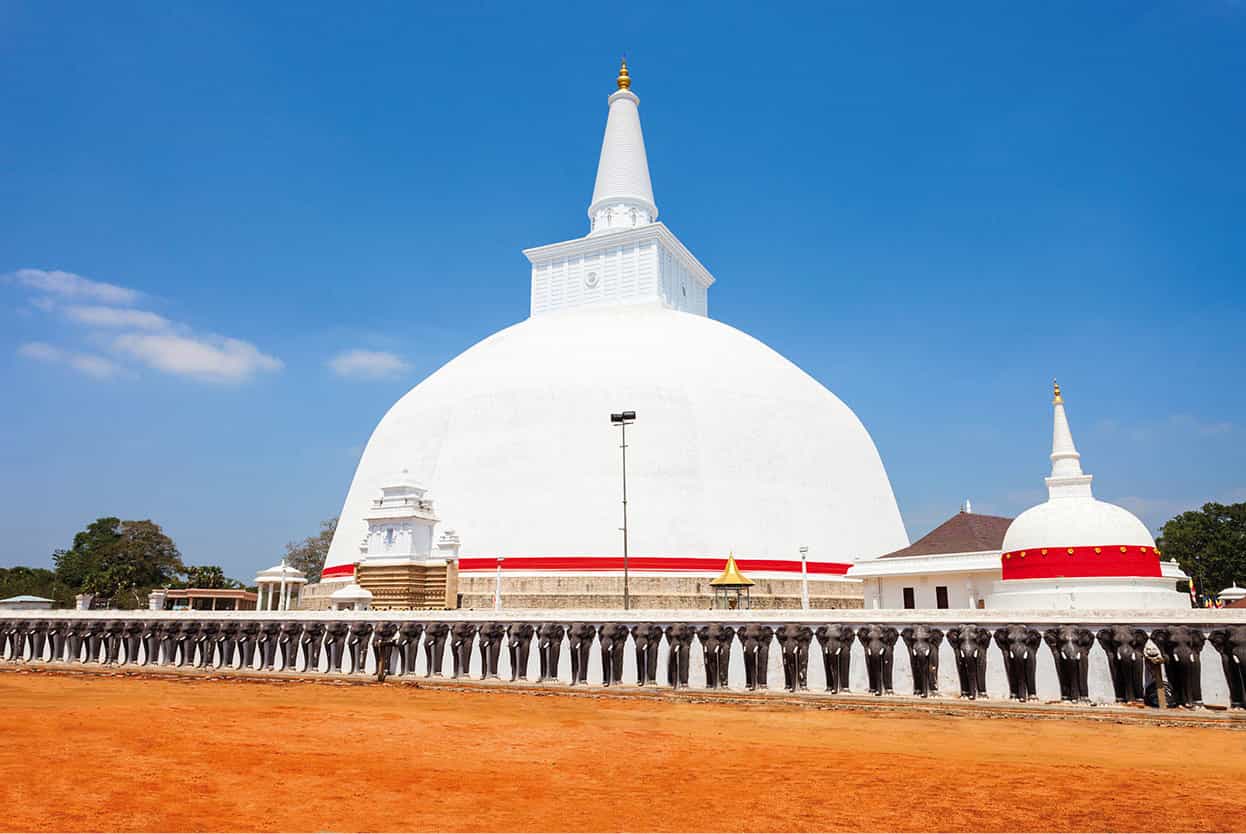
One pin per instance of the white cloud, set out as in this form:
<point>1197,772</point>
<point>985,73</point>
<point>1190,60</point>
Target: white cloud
<point>69,285</point>
<point>214,359</point>
<point>367,364</point>
<point>87,363</point>
<point>122,317</point>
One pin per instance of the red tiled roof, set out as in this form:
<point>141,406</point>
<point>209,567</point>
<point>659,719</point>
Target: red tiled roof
<point>962,533</point>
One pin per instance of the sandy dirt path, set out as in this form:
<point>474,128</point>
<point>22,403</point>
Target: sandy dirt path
<point>99,753</point>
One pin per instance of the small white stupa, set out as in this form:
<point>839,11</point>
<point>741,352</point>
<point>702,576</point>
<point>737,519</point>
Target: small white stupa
<point>1077,552</point>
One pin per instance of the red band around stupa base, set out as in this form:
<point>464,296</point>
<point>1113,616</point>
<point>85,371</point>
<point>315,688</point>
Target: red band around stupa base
<point>1102,560</point>
<point>587,564</point>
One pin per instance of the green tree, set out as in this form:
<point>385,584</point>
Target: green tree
<point>209,576</point>
<point>309,554</point>
<point>119,561</point>
<point>1209,544</point>
<point>39,582</point>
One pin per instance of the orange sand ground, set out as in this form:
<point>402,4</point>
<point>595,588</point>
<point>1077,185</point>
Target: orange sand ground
<point>99,753</point>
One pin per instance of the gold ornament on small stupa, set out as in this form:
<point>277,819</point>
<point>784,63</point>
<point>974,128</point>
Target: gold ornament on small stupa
<point>731,576</point>
<point>1056,398</point>
<point>624,80</point>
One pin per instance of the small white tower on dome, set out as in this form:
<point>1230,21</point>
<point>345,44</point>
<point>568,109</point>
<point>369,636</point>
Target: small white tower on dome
<point>400,525</point>
<point>1067,479</point>
<point>622,195</point>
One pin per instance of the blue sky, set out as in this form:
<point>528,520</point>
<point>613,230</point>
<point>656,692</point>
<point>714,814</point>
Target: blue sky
<point>934,209</point>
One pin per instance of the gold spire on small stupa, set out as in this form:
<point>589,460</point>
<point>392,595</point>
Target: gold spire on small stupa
<point>625,80</point>
<point>731,575</point>
<point>1056,398</point>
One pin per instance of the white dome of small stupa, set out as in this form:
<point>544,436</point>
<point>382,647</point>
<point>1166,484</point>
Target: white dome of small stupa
<point>733,446</point>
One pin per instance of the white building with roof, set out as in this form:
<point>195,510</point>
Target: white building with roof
<point>733,448</point>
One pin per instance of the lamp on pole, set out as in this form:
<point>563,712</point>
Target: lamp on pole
<point>497,586</point>
<point>804,579</point>
<point>623,419</point>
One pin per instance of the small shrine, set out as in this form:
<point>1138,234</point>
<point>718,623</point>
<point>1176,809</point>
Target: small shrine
<point>731,588</point>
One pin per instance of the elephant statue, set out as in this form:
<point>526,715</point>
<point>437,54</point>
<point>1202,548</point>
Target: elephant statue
<point>209,636</point>
<point>716,641</point>
<point>266,643</point>
<point>227,643</point>
<point>357,645</point>
<point>289,632</point>
<point>384,636</point>
<point>1020,647</point>
<point>612,639</point>
<point>311,638</point>
<point>407,642</point>
<point>461,635</point>
<point>879,643</point>
<point>1230,642</point>
<point>38,639</point>
<point>756,637</point>
<point>679,639</point>
<point>132,640</point>
<point>580,646</point>
<point>969,646</point>
<point>923,644</point>
<point>94,640</point>
<point>434,648</point>
<point>335,632</point>
<point>168,642</point>
<point>112,642</point>
<point>187,642</point>
<point>1070,648</point>
<point>648,639</point>
<point>151,642</point>
<point>1123,645</point>
<point>248,641</point>
<point>836,643</point>
<point>794,640</point>
<point>490,639</point>
<point>58,630</point>
<point>518,644</point>
<point>6,639</point>
<point>548,646</point>
<point>1182,647</point>
<point>16,631</point>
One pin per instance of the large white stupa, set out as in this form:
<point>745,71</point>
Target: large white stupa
<point>734,448</point>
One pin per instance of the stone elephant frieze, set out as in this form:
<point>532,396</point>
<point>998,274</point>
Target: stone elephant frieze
<point>335,633</point>
<point>679,640</point>
<point>756,639</point>
<point>580,647</point>
<point>434,648</point>
<point>970,644</point>
<point>310,640</point>
<point>549,646</point>
<point>879,643</point>
<point>612,642</point>
<point>1070,649</point>
<point>1182,648</point>
<point>922,643</point>
<point>267,642</point>
<point>836,644</point>
<point>461,636</point>
<point>1123,646</point>
<point>357,639</point>
<point>407,646</point>
<point>647,638</point>
<point>384,639</point>
<point>1230,642</point>
<point>518,645</point>
<point>94,640</point>
<point>489,638</point>
<point>716,639</point>
<point>1020,643</point>
<point>289,634</point>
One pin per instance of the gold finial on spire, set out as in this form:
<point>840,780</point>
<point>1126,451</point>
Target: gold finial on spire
<point>1056,398</point>
<point>731,576</point>
<point>624,80</point>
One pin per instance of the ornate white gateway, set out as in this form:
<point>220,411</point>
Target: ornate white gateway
<point>733,448</point>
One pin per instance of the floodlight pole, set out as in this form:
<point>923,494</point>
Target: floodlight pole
<point>804,579</point>
<point>622,419</point>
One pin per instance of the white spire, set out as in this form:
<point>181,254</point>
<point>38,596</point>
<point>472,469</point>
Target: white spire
<point>1067,479</point>
<point>623,195</point>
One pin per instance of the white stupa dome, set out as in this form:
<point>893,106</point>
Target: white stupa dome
<point>1074,551</point>
<point>734,448</point>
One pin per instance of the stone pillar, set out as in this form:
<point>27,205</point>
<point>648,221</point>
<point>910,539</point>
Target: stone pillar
<point>82,602</point>
<point>155,600</point>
